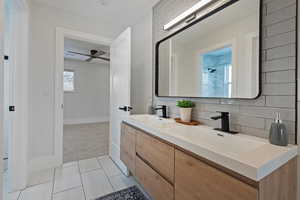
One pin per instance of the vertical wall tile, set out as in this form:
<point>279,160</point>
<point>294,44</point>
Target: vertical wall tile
<point>281,101</point>
<point>281,27</point>
<point>278,5</point>
<point>280,15</point>
<point>281,77</point>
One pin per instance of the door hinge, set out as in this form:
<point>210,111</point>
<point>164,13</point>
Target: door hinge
<point>6,57</point>
<point>12,108</point>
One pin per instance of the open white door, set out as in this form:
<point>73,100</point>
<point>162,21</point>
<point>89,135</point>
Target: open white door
<point>120,67</point>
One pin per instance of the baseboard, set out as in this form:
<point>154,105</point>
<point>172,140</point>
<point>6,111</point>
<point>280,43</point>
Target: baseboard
<point>86,120</point>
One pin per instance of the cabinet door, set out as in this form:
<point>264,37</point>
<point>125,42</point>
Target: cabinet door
<point>196,180</point>
<point>153,183</point>
<point>157,153</point>
<point>127,153</point>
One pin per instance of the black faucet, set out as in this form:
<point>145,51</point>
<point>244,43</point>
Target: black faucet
<point>164,110</point>
<point>225,122</point>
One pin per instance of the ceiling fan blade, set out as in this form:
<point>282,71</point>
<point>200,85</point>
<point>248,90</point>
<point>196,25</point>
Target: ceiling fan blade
<point>89,59</point>
<point>99,53</point>
<point>83,54</point>
<point>102,58</point>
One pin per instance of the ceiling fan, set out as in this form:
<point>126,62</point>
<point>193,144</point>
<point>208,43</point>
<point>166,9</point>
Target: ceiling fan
<point>94,54</point>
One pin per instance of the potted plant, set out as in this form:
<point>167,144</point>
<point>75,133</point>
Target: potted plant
<point>185,107</point>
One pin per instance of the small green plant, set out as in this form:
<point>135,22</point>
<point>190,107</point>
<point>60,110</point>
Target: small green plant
<point>185,104</point>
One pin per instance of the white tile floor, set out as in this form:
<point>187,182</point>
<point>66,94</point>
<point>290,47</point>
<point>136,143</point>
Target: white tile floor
<point>82,180</point>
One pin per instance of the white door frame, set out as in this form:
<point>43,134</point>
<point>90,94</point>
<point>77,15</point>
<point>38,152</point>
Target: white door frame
<point>61,34</point>
<point>18,61</point>
<point>1,91</point>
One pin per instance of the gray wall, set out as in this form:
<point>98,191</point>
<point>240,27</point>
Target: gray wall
<point>251,117</point>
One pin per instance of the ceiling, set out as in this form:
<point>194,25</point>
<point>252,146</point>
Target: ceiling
<point>85,48</point>
<point>120,13</point>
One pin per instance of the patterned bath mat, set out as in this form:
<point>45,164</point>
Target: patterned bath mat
<point>132,193</point>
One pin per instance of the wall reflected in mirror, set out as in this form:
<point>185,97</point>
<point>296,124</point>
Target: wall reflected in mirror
<point>217,57</point>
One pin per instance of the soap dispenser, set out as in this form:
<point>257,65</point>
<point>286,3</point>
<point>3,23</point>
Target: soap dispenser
<point>278,133</point>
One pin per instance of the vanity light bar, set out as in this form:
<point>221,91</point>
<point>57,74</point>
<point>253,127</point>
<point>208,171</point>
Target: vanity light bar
<point>187,13</point>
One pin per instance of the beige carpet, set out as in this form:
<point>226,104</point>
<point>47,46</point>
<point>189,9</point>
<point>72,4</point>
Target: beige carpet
<point>84,141</point>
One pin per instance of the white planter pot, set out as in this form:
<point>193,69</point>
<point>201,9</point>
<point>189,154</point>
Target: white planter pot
<point>186,114</point>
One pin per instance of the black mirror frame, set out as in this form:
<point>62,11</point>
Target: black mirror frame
<point>195,22</point>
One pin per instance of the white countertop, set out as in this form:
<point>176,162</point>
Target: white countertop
<point>249,156</point>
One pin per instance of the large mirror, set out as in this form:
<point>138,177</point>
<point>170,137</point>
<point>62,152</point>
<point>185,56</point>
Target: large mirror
<point>216,56</point>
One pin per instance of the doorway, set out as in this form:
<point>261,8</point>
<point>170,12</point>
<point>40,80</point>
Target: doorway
<point>120,69</point>
<point>86,100</point>
<point>67,78</point>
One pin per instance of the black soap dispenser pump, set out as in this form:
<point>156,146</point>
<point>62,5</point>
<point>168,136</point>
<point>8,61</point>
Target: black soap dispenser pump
<point>278,133</point>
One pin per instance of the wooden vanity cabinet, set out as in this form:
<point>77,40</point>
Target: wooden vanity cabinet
<point>196,180</point>
<point>159,155</point>
<point>128,141</point>
<point>168,172</point>
<point>154,184</point>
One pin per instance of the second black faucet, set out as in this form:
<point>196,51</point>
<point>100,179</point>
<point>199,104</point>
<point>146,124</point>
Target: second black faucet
<point>225,127</point>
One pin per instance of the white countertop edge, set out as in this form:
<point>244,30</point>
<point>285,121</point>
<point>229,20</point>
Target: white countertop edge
<point>248,171</point>
<point>271,166</point>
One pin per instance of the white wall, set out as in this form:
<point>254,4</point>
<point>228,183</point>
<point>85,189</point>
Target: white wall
<point>44,20</point>
<point>1,88</point>
<point>90,101</point>
<point>141,69</point>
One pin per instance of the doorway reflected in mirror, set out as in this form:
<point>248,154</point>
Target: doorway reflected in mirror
<point>216,67</point>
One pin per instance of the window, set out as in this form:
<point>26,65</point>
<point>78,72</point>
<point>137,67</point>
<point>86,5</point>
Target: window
<point>69,81</point>
<point>216,67</point>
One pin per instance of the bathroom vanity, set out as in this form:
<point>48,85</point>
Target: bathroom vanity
<point>174,161</point>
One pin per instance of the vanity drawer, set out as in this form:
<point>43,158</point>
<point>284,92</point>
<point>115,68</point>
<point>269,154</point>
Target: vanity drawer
<point>197,180</point>
<point>152,182</point>
<point>159,155</point>
<point>127,154</point>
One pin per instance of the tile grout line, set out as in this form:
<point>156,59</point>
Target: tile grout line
<point>72,188</point>
<point>19,196</point>
<point>53,181</point>
<point>91,170</point>
<point>106,175</point>
<point>81,181</point>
